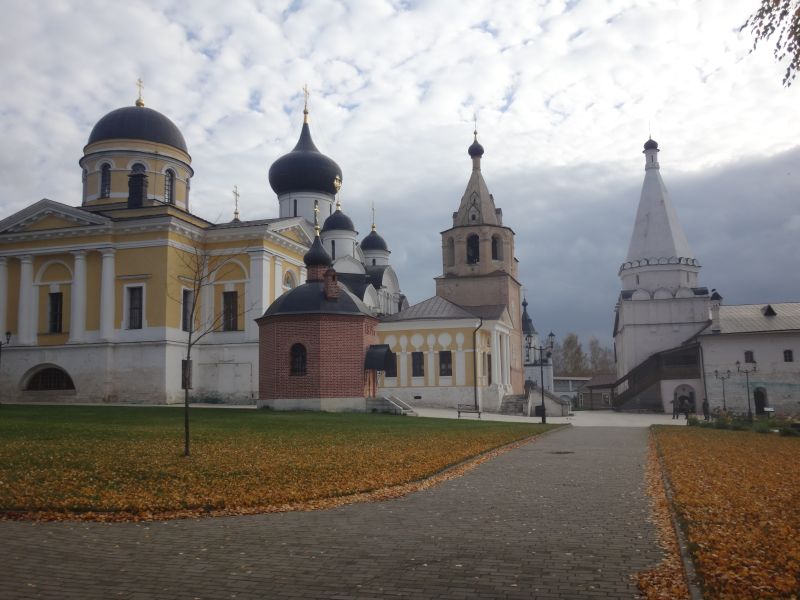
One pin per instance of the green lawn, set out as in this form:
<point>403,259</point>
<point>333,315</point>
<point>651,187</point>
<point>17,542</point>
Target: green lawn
<point>127,462</point>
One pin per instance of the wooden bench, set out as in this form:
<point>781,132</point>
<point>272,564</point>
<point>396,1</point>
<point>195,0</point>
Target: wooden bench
<point>468,408</point>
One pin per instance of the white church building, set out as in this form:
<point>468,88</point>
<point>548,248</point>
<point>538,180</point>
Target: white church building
<point>674,339</point>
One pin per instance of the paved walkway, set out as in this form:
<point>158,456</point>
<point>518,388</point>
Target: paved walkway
<point>562,517</point>
<point>582,418</point>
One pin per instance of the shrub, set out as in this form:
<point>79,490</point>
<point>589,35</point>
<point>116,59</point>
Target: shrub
<point>763,427</point>
<point>693,421</point>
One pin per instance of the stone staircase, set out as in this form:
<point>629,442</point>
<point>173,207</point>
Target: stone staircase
<point>514,405</point>
<point>390,404</point>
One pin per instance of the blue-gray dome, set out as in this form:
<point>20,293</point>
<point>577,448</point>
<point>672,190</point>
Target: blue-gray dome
<point>317,256</point>
<point>373,241</point>
<point>304,169</point>
<point>651,144</point>
<point>309,298</point>
<point>338,220</point>
<point>138,123</point>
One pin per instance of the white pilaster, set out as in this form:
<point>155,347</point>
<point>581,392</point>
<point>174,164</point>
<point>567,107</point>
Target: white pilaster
<point>402,367</point>
<point>107,296</point>
<point>77,320</point>
<point>496,375</point>
<point>303,275</point>
<point>431,368</point>
<point>256,291</point>
<point>278,278</point>
<point>461,367</point>
<point>26,334</point>
<point>3,293</point>
<point>506,359</point>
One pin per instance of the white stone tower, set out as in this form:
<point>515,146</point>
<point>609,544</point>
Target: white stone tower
<point>661,305</point>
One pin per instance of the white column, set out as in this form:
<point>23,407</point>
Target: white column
<point>107,299</point>
<point>25,321</point>
<point>495,358</point>
<point>3,293</point>
<point>431,367</point>
<point>506,359</point>
<point>461,366</point>
<point>278,278</point>
<point>256,292</point>
<point>77,319</point>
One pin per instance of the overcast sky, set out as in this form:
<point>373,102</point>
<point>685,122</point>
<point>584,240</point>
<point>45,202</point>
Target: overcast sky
<point>565,94</point>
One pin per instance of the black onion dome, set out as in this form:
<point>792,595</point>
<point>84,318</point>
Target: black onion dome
<point>338,220</point>
<point>138,123</point>
<point>304,169</point>
<point>651,144</point>
<point>309,298</point>
<point>475,150</point>
<point>317,256</point>
<point>373,241</point>
<point>527,322</point>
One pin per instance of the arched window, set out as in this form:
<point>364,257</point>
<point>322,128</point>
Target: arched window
<point>294,203</point>
<point>333,249</point>
<point>138,168</point>
<point>298,360</point>
<point>169,186</point>
<point>105,181</point>
<point>451,252</point>
<point>288,281</point>
<point>473,249</point>
<point>51,378</point>
<point>497,248</point>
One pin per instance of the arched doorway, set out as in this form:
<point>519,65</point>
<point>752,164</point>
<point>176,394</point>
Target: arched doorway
<point>684,393</point>
<point>760,400</point>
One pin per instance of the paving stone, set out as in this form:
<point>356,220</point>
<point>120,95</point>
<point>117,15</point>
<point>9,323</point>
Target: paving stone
<point>532,523</point>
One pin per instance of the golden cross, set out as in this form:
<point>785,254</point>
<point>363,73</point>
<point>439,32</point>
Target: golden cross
<point>316,216</point>
<point>140,85</point>
<point>236,201</point>
<point>373,215</point>
<point>475,120</point>
<point>305,103</point>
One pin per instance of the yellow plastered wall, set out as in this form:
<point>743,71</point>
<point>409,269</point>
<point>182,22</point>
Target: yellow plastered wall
<point>146,266</point>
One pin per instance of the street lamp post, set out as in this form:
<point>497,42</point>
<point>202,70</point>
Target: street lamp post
<point>8,340</point>
<point>722,378</point>
<point>747,372</point>
<point>551,339</point>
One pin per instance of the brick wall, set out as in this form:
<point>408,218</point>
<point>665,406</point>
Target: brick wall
<point>335,347</point>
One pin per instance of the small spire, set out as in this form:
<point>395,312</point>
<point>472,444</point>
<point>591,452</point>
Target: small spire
<point>305,103</point>
<point>316,217</point>
<point>140,85</point>
<point>373,215</point>
<point>475,121</point>
<point>236,202</point>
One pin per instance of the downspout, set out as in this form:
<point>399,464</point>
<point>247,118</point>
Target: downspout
<point>475,362</point>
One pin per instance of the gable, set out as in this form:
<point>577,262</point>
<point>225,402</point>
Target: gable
<point>48,214</point>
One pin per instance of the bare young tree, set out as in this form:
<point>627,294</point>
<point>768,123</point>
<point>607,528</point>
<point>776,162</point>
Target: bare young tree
<point>601,358</point>
<point>201,270</point>
<point>781,17</point>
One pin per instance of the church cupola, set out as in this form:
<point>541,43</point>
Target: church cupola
<point>659,258</point>
<point>373,246</point>
<point>339,236</point>
<point>304,176</point>
<point>136,138</point>
<point>317,259</point>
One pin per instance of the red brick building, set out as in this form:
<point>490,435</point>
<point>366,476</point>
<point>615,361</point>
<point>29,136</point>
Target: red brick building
<point>313,342</point>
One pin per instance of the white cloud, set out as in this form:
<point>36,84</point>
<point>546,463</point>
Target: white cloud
<point>564,92</point>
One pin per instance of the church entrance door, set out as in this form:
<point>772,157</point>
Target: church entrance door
<point>760,400</point>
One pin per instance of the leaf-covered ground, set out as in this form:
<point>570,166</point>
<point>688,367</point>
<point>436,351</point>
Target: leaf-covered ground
<point>739,495</point>
<point>114,463</point>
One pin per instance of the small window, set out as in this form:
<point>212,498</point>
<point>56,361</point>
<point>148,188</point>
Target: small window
<point>105,181</point>
<point>135,306</point>
<point>294,203</point>
<point>473,249</point>
<point>169,187</point>
<point>417,364</point>
<point>186,312</point>
<point>748,356</point>
<point>445,363</point>
<point>298,362</point>
<point>497,249</point>
<point>333,249</point>
<point>50,379</point>
<point>288,281</point>
<point>373,262</point>
<point>391,364</point>
<point>56,305</point>
<point>788,356</point>
<point>230,311</point>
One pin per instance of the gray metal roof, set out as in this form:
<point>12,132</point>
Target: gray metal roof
<point>750,318</point>
<point>432,308</point>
